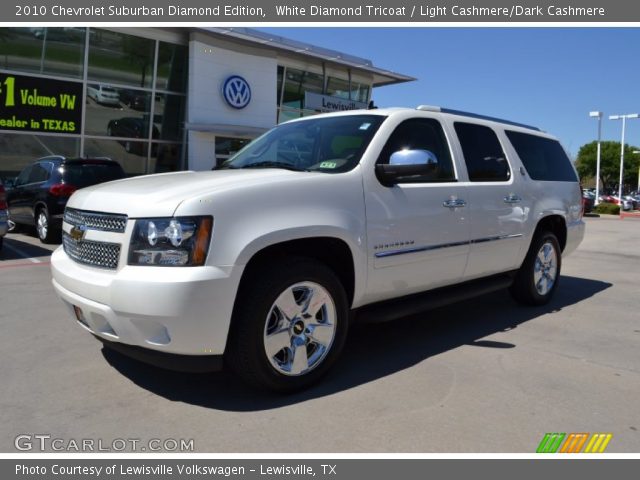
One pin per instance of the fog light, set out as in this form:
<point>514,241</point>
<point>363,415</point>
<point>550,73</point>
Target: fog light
<point>80,316</point>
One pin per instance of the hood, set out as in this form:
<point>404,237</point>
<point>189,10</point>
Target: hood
<point>160,195</point>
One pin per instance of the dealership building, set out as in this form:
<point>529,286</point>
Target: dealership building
<point>163,99</point>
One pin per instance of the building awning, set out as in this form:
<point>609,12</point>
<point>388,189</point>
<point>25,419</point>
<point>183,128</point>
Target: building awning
<point>226,129</point>
<point>258,38</point>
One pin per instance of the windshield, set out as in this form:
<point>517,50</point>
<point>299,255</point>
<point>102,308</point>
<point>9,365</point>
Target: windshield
<point>329,144</point>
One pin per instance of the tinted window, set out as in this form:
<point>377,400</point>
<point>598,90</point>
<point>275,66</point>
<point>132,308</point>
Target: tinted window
<point>38,174</point>
<point>24,175</point>
<point>544,159</point>
<point>85,174</point>
<point>483,155</point>
<point>421,134</point>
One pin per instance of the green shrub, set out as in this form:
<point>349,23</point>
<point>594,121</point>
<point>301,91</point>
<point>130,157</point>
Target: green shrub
<point>610,208</point>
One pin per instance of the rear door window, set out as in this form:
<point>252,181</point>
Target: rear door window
<point>38,174</point>
<point>543,158</point>
<point>483,154</point>
<point>23,178</point>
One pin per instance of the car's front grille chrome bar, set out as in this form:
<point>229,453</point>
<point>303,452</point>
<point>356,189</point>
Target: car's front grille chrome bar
<point>108,222</point>
<point>96,254</point>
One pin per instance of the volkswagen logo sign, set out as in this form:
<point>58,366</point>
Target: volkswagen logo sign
<point>236,92</point>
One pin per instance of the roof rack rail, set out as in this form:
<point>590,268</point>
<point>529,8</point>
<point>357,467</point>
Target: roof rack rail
<point>428,108</point>
<point>432,108</point>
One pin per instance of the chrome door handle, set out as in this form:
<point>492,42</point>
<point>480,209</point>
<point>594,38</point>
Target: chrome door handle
<point>512,198</point>
<point>454,203</point>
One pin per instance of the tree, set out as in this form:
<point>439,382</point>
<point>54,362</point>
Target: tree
<point>138,52</point>
<point>609,164</point>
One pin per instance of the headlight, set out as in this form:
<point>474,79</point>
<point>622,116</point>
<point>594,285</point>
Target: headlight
<point>170,242</point>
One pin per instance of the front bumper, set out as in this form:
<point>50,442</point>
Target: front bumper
<point>175,310</point>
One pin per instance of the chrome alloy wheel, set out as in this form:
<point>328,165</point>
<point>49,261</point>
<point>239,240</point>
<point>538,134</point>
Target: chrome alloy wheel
<point>42,225</point>
<point>545,268</point>
<point>300,328</point>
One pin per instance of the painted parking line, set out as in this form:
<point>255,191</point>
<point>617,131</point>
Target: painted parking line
<point>24,264</point>
<point>22,253</point>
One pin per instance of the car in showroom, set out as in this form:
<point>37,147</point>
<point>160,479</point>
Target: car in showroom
<point>41,191</point>
<point>261,264</point>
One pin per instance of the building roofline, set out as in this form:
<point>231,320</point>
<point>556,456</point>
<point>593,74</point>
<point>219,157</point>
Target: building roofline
<point>381,76</point>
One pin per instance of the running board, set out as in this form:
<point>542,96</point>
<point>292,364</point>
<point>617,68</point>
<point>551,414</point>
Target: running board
<point>411,304</point>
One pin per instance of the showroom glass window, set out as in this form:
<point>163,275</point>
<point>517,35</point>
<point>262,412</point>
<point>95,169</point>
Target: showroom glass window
<point>42,50</point>
<point>337,87</point>
<point>296,83</point>
<point>119,58</point>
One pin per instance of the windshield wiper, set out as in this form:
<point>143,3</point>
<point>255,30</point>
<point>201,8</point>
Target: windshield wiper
<point>272,164</point>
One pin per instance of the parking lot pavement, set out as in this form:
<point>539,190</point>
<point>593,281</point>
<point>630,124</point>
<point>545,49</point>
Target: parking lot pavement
<point>24,249</point>
<point>485,375</point>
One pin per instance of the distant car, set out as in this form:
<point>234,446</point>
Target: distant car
<point>632,200</point>
<point>134,128</point>
<point>588,202</point>
<point>605,198</point>
<point>4,217</point>
<point>42,190</point>
<point>625,204</point>
<point>103,95</point>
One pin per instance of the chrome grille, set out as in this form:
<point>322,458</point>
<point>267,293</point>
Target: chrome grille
<point>96,254</point>
<point>107,222</point>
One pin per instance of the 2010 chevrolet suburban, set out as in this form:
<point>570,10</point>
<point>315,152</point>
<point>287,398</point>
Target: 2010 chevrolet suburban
<point>262,262</point>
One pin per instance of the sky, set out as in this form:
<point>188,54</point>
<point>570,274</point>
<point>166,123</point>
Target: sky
<point>550,78</point>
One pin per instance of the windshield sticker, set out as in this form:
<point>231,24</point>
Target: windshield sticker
<point>328,164</point>
<point>365,126</point>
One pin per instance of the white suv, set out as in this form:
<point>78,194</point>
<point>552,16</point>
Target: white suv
<point>264,261</point>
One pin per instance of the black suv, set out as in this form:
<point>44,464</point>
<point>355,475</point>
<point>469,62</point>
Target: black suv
<point>42,189</point>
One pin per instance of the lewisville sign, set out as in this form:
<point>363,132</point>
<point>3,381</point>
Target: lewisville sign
<point>39,105</point>
<point>327,103</point>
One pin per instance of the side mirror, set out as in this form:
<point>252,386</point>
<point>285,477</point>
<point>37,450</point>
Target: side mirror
<point>10,182</point>
<point>405,164</point>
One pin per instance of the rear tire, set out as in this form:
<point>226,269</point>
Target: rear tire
<point>45,232</point>
<point>538,277</point>
<point>289,325</point>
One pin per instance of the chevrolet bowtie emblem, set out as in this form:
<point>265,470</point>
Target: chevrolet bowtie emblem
<point>77,232</point>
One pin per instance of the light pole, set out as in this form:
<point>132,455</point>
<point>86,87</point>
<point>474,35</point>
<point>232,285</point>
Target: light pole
<point>624,122</point>
<point>638,190</point>
<point>597,115</point>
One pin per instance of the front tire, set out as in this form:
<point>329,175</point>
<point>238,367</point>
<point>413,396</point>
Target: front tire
<point>289,325</point>
<point>538,277</point>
